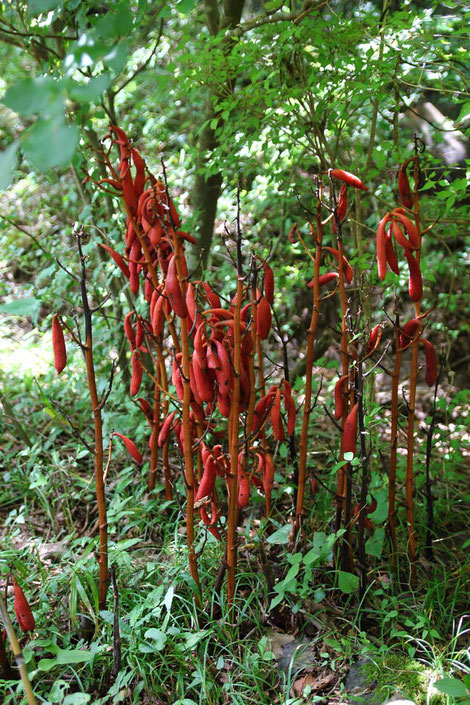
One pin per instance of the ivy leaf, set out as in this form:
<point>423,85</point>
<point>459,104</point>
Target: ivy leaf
<point>7,164</point>
<point>49,143</point>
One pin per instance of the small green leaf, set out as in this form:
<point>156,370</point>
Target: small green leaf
<point>116,58</point>
<point>49,143</point>
<point>451,686</point>
<point>64,657</point>
<point>7,165</point>
<point>77,699</point>
<point>281,535</point>
<point>157,636</point>
<point>347,582</point>
<point>375,544</point>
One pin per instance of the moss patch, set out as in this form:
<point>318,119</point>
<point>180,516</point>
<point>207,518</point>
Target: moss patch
<point>398,673</point>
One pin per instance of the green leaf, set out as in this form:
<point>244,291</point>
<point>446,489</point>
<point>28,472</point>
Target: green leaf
<point>116,58</point>
<point>64,657</point>
<point>35,7</point>
<point>375,544</point>
<point>347,582</point>
<point>281,535</point>
<point>8,164</point>
<point>77,699</point>
<point>29,306</point>
<point>91,91</point>
<point>451,686</point>
<point>49,143</point>
<point>157,636</point>
<point>34,95</point>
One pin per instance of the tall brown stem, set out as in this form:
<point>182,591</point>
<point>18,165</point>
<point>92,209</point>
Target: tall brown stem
<point>103,580</point>
<point>309,373</point>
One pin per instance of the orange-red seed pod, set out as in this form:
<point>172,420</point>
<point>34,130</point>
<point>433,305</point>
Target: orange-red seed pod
<point>58,345</point>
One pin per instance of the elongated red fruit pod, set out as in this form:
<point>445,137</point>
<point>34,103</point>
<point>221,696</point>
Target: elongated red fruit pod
<point>348,178</point>
<point>408,332</point>
<point>165,430</point>
<point>409,227</point>
<point>276,419</point>
<point>431,362</point>
<point>404,189</point>
<point>347,269</point>
<point>339,397</point>
<point>173,290</point>
<point>400,237</point>
<point>350,431</point>
<point>58,345</point>
<point>415,281</point>
<point>268,283</point>
<point>390,252</point>
<point>264,318</point>
<point>176,376</point>
<point>129,329</point>
<point>243,487</point>
<point>212,297</point>
<point>224,405</point>
<point>324,279</point>
<point>140,332</point>
<point>260,410</point>
<point>137,372</point>
<point>204,382</point>
<point>381,248</point>
<point>23,612</point>
<point>207,484</point>
<point>146,409</point>
<point>130,447</point>
<point>118,259</point>
<point>374,339</point>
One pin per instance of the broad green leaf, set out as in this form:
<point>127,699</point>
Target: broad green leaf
<point>77,699</point>
<point>168,599</point>
<point>35,95</point>
<point>116,58</point>
<point>7,164</point>
<point>64,657</point>
<point>91,91</point>
<point>375,544</point>
<point>281,535</point>
<point>347,582</point>
<point>35,7</point>
<point>158,637</point>
<point>28,306</point>
<point>49,143</point>
<point>451,686</point>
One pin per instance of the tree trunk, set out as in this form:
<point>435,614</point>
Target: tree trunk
<point>206,190</point>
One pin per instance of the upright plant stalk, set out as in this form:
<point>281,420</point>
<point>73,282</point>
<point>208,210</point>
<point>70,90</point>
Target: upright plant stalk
<point>18,653</point>
<point>232,518</point>
<point>187,436</point>
<point>364,483</point>
<point>409,481</point>
<point>103,581</point>
<point>309,370</point>
<point>394,446</point>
